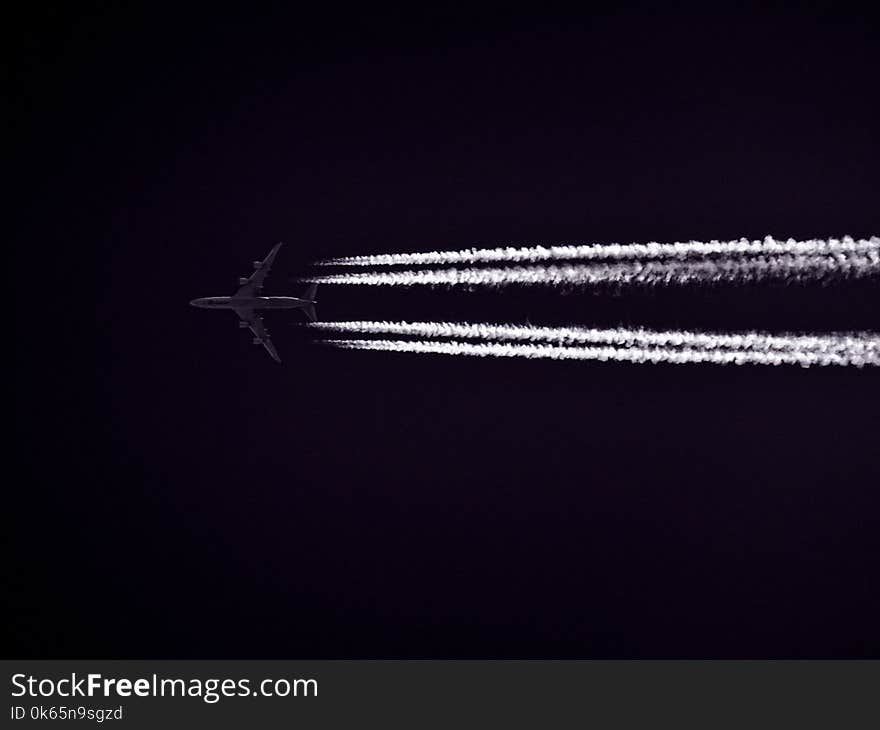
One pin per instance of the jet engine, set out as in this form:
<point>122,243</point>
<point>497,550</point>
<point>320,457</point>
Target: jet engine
<point>242,280</point>
<point>257,264</point>
<point>242,325</point>
<point>257,341</point>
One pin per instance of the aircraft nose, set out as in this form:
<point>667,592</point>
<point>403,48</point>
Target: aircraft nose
<point>196,303</point>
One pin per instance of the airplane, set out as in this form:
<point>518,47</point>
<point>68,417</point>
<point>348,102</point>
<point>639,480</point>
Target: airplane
<point>247,299</point>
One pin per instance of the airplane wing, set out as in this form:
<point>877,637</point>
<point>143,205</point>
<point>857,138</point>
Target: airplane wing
<point>261,334</point>
<point>254,283</point>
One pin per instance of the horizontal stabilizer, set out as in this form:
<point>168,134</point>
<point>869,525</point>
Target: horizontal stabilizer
<point>310,292</point>
<point>309,296</point>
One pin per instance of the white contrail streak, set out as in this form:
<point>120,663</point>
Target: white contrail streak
<point>784,267</point>
<point>852,345</point>
<point>643,251</point>
<point>622,354</point>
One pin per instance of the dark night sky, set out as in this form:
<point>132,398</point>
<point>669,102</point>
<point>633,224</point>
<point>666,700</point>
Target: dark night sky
<point>176,494</point>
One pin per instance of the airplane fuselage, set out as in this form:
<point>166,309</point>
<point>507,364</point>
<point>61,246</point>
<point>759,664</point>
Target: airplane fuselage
<point>250,303</point>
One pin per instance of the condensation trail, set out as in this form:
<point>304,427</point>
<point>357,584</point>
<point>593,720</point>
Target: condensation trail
<point>786,267</point>
<point>864,345</point>
<point>620,354</point>
<point>649,251</point>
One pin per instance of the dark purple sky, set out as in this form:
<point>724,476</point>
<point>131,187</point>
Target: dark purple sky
<point>180,495</point>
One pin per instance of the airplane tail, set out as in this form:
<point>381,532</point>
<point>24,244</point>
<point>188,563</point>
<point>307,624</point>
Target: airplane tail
<point>309,309</point>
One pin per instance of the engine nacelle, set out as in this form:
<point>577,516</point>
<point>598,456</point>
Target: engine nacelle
<point>242,325</point>
<point>242,280</point>
<point>257,264</point>
<point>257,341</point>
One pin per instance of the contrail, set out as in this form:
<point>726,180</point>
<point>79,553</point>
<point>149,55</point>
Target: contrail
<point>787,267</point>
<point>621,354</point>
<point>648,251</point>
<point>853,345</point>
